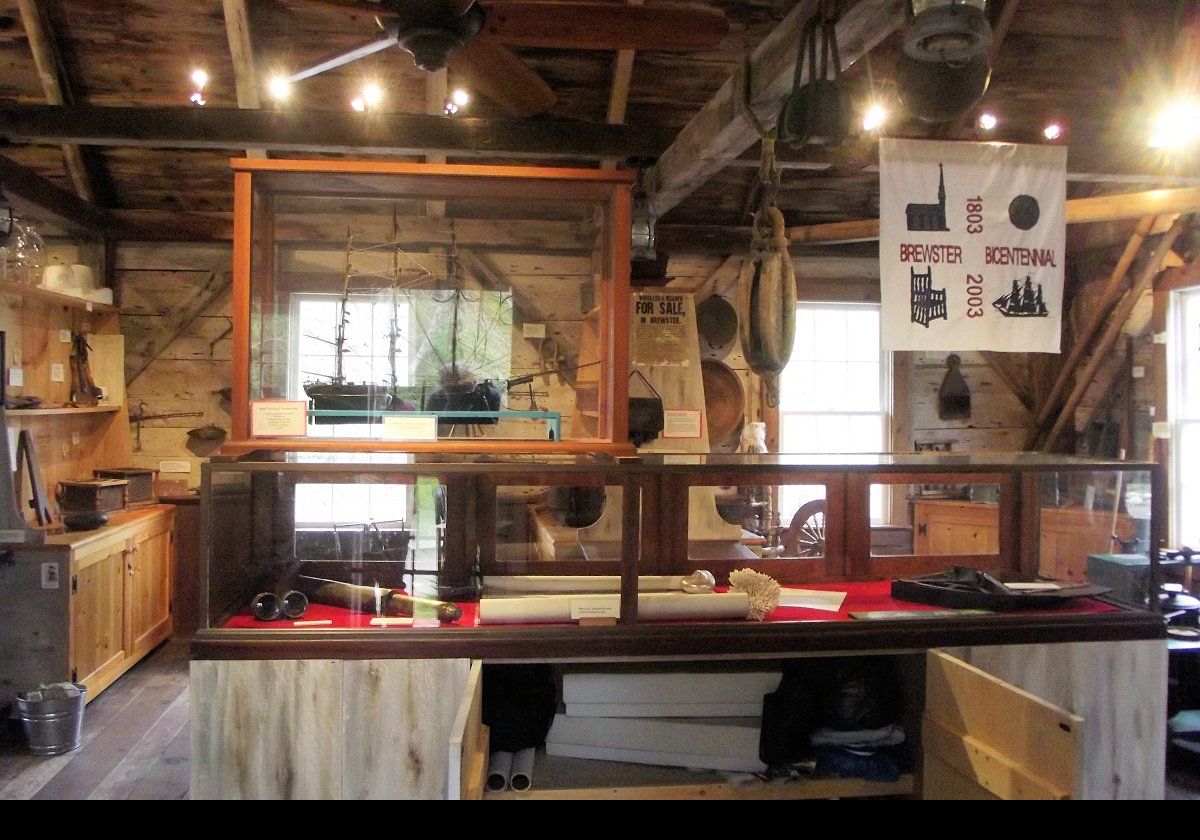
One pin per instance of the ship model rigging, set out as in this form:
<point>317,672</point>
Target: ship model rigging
<point>458,388</point>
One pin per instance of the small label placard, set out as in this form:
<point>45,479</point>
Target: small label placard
<point>49,576</point>
<point>278,418</point>
<point>175,466</point>
<point>16,377</point>
<point>597,606</point>
<point>14,536</point>
<point>399,427</point>
<point>682,423</point>
<point>64,336</point>
<point>57,374</point>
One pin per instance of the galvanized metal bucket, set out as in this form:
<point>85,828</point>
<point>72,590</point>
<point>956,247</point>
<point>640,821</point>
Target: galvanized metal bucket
<point>52,726</point>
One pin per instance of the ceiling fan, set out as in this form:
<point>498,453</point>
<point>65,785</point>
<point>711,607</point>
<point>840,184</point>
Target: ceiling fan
<point>472,37</point>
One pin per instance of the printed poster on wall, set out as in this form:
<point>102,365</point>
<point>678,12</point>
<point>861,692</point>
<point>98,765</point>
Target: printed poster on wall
<point>971,245</point>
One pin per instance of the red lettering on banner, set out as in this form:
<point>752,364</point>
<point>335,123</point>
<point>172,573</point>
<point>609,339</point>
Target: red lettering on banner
<point>918,252</point>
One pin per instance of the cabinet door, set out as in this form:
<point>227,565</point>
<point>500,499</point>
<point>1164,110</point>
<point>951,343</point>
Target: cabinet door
<point>98,642</point>
<point>149,588</point>
<point>983,738</point>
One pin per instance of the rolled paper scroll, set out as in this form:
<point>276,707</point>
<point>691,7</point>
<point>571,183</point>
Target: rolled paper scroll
<point>698,581</point>
<point>652,606</point>
<point>521,777</point>
<point>500,767</point>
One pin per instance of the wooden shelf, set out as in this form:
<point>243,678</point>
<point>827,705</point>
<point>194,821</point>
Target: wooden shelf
<point>556,777</point>
<point>57,298</point>
<point>69,409</point>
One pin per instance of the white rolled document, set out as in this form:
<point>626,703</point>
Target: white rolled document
<point>500,766</point>
<point>555,584</point>
<point>652,606</point>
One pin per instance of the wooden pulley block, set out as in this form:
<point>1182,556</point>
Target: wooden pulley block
<point>767,302</point>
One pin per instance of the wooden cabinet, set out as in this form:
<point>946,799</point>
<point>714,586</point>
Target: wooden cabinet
<point>98,622</point>
<point>1068,535</point>
<point>120,594</point>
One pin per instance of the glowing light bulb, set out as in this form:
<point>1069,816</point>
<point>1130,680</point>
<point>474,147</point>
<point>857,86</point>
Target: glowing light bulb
<point>357,104</point>
<point>372,94</point>
<point>987,122</point>
<point>874,118</point>
<point>280,88</point>
<point>1052,131</point>
<point>1177,127</point>
<point>460,98</point>
<point>199,78</point>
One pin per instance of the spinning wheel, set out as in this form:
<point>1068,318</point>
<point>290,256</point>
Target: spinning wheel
<point>805,537</point>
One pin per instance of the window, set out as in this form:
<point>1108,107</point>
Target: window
<point>1185,417</point>
<point>833,392</point>
<point>372,319</point>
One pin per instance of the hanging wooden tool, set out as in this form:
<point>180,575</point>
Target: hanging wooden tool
<point>27,462</point>
<point>954,397</point>
<point>83,388</point>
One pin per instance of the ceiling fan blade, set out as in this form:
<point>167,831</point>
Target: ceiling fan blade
<point>503,77</point>
<point>603,26</point>
<point>346,57</point>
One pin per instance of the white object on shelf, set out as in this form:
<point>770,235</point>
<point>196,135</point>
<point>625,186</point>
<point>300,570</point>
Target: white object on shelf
<point>652,606</point>
<point>727,744</point>
<point>664,710</point>
<point>83,277</point>
<point>670,687</point>
<point>104,296</point>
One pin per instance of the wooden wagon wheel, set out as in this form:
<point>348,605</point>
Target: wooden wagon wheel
<point>805,537</point>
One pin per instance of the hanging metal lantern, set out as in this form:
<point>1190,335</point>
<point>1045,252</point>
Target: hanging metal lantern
<point>642,246</point>
<point>944,68</point>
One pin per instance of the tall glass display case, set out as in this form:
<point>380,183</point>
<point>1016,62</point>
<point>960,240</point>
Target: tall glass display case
<point>445,307</point>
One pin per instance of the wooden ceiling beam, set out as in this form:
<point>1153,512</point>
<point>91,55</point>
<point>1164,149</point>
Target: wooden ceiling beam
<point>618,95</point>
<point>39,29</point>
<point>722,131</point>
<point>1103,208</point>
<point>241,50</point>
<point>31,194</point>
<point>327,132</point>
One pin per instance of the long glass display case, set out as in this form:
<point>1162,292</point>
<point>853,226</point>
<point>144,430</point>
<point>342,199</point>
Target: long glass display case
<point>426,555</point>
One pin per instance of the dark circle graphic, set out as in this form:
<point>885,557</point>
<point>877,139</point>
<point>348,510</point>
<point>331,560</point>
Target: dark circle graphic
<point>1024,212</point>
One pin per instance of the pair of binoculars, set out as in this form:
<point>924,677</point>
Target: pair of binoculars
<point>271,606</point>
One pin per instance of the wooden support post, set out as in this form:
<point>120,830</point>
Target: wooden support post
<point>241,50</point>
<point>1116,322</point>
<point>1083,341</point>
<point>631,516</point>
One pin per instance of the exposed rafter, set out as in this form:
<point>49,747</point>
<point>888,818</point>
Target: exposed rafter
<point>241,50</point>
<point>328,132</point>
<point>618,96</point>
<point>32,194</point>
<point>39,29</point>
<point>722,130</point>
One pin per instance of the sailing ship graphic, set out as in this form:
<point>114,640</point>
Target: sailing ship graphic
<point>930,217</point>
<point>1022,301</point>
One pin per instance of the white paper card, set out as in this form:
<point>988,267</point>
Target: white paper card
<point>13,536</point>
<point>391,622</point>
<point>16,377</point>
<point>175,466</point>
<point>533,330</point>
<point>278,418</point>
<point>1035,586</point>
<point>607,606</point>
<point>64,336</point>
<point>811,599</point>
<point>681,423</point>
<point>49,576</point>
<point>399,427</point>
<point>313,622</point>
<point>57,374</point>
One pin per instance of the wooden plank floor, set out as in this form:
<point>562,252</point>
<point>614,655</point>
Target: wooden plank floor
<point>135,741</point>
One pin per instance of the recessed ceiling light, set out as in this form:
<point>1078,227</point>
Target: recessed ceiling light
<point>1052,131</point>
<point>987,122</point>
<point>280,88</point>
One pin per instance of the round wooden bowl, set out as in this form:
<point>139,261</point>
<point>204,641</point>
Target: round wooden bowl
<point>724,400</point>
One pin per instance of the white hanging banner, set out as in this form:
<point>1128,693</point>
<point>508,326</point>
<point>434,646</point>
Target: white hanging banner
<point>972,238</point>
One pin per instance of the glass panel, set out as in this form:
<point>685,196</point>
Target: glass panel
<point>367,305</point>
<point>938,520</point>
<point>542,525</point>
<point>756,521</point>
<point>1088,515</point>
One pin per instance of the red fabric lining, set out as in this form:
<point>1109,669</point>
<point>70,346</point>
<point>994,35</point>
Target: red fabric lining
<point>860,597</point>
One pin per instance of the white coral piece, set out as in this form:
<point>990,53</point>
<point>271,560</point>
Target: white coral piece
<point>764,591</point>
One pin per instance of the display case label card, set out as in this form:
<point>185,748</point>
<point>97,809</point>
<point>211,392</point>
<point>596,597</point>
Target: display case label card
<point>278,418</point>
<point>400,427</point>
<point>16,377</point>
<point>599,606</point>
<point>682,423</point>
<point>533,330</point>
<point>49,576</point>
<point>14,536</point>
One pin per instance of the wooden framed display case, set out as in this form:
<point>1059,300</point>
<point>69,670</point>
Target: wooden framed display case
<point>1052,677</point>
<point>424,307</point>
